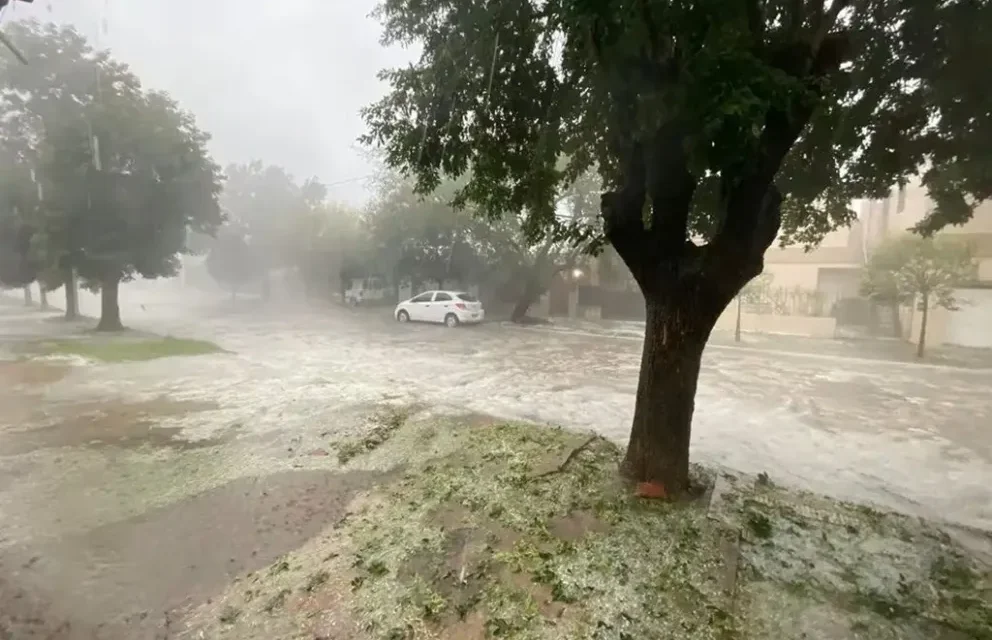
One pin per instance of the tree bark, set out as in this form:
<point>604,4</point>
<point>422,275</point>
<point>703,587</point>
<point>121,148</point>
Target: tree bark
<point>921,344</point>
<point>737,326</point>
<point>28,299</point>
<point>43,297</point>
<point>71,295</point>
<point>658,450</point>
<point>110,312</point>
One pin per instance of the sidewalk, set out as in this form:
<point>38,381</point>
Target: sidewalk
<point>881,349</point>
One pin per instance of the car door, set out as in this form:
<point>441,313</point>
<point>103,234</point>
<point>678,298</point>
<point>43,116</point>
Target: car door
<point>443,305</point>
<point>420,306</point>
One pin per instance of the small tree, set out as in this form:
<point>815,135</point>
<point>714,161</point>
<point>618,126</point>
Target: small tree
<point>925,270</point>
<point>753,292</point>
<point>879,284</point>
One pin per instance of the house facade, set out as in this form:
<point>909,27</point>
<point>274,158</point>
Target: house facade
<point>833,269</point>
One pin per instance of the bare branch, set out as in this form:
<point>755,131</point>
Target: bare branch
<point>568,460</point>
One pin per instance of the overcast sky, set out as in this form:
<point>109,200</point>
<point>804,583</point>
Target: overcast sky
<point>278,80</point>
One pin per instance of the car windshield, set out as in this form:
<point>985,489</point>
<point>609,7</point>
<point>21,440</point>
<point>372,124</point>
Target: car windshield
<point>467,297</point>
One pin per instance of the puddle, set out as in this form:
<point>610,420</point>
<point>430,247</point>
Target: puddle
<point>96,585</point>
<point>111,424</point>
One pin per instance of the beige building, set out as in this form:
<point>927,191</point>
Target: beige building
<point>834,268</point>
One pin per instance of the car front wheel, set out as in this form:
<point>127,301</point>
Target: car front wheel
<point>403,316</point>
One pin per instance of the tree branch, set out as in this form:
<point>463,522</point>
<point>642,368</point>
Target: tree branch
<point>670,185</point>
<point>573,454</point>
<point>823,24</point>
<point>794,19</point>
<point>756,19</point>
<point>752,204</point>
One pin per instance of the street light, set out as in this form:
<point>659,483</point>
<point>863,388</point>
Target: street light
<point>576,273</point>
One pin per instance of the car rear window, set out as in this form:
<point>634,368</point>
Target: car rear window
<point>467,297</point>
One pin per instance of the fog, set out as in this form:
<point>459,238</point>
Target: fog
<point>283,81</point>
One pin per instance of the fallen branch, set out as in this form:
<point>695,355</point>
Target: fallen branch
<point>571,456</point>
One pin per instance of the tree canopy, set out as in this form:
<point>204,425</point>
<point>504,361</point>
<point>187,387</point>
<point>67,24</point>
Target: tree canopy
<point>716,127</point>
<point>845,98</point>
<point>124,171</point>
<point>231,261</point>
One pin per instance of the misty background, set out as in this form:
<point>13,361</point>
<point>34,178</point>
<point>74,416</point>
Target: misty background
<point>283,81</point>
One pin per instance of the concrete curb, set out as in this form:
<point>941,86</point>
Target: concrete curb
<point>758,350</point>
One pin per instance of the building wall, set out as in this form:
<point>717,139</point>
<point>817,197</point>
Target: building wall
<point>808,326</point>
<point>793,275</point>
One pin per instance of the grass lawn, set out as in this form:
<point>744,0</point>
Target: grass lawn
<point>127,349</point>
<point>492,530</point>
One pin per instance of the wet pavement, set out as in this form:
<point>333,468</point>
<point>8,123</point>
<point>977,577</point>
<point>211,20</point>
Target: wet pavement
<point>175,438</point>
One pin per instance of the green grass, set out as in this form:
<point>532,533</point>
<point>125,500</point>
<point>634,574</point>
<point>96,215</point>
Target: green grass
<point>480,529</point>
<point>129,349</point>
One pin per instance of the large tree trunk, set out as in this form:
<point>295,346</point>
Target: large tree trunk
<point>658,450</point>
<point>110,312</point>
<point>28,300</point>
<point>42,297</point>
<point>922,343</point>
<point>71,295</point>
<point>686,287</point>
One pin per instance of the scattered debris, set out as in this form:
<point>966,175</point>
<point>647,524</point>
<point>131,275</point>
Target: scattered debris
<point>384,424</point>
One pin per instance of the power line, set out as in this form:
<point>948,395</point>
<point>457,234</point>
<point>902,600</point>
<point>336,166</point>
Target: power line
<point>349,180</point>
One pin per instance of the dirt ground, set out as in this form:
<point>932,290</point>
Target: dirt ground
<point>203,469</point>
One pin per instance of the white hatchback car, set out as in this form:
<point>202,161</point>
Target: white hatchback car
<point>448,307</point>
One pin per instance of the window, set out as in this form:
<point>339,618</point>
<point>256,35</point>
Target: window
<point>442,297</point>
<point>423,297</point>
<point>467,297</point>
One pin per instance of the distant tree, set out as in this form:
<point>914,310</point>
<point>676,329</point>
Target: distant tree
<point>131,196</point>
<point>19,262</point>
<point>753,292</point>
<point>716,127</point>
<point>329,239</point>
<point>539,261</point>
<point>232,262</point>
<point>420,237</point>
<point>269,203</point>
<point>58,86</point>
<point>879,283</point>
<point>124,171</point>
<point>926,271</point>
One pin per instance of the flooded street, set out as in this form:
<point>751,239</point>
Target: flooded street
<point>910,437</point>
<point>199,469</point>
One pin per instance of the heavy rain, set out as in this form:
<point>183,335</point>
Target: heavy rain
<point>519,319</point>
